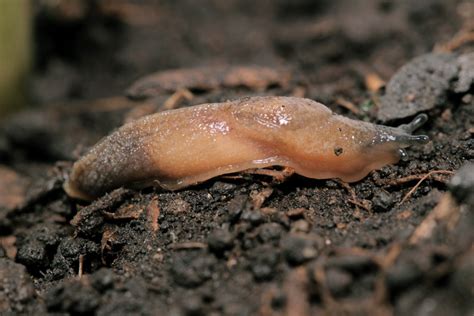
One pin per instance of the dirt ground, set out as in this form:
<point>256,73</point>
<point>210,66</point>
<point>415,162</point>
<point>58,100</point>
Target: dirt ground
<point>398,242</point>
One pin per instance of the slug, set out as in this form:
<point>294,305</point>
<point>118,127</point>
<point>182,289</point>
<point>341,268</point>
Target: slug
<point>178,148</point>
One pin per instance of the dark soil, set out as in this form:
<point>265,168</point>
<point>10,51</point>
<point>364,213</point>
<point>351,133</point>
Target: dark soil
<point>244,245</point>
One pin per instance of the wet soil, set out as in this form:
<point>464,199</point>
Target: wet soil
<point>399,242</point>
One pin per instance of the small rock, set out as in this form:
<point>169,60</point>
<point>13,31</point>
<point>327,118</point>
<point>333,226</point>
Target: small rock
<point>298,249</point>
<point>33,255</point>
<point>466,73</point>
<point>270,232</point>
<point>220,240</point>
<point>192,306</point>
<point>300,226</point>
<point>338,281</point>
<point>67,255</point>
<point>36,248</point>
<point>236,207</point>
<point>253,216</point>
<point>264,263</point>
<point>192,269</point>
<point>382,201</point>
<point>463,278</point>
<point>420,85</point>
<point>462,184</point>
<point>102,280</point>
<point>73,297</point>
<point>89,220</point>
<point>402,275</point>
<point>17,294</point>
<point>222,187</point>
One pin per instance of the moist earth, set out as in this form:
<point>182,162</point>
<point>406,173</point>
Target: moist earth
<point>399,242</point>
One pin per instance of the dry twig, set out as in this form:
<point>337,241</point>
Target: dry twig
<point>174,99</point>
<point>461,38</point>
<point>295,287</point>
<point>81,266</point>
<point>188,245</point>
<point>426,176</point>
<point>348,105</point>
<point>373,82</point>
<point>447,211</point>
<point>354,199</point>
<point>153,213</point>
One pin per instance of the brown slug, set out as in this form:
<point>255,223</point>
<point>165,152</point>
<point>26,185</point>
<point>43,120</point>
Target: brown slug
<point>178,148</point>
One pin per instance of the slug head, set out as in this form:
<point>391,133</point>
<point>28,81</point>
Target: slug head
<point>401,137</point>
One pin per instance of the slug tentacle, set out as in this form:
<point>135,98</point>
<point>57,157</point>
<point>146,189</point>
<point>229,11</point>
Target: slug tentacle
<point>416,123</point>
<point>178,148</point>
<point>405,136</point>
<point>408,140</point>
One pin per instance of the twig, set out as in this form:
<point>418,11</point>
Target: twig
<point>266,302</point>
<point>385,262</point>
<point>278,176</point>
<point>393,182</point>
<point>81,266</point>
<point>359,204</point>
<point>173,100</point>
<point>426,176</point>
<point>320,277</point>
<point>461,38</point>
<point>153,213</point>
<point>373,82</point>
<point>259,197</point>
<point>188,245</point>
<point>447,211</point>
<point>348,105</point>
<point>295,287</point>
<point>353,200</point>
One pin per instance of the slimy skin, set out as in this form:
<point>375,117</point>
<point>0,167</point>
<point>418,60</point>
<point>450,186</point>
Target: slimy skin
<point>178,148</point>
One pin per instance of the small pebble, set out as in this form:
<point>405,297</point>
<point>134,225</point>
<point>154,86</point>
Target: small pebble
<point>270,232</point>
<point>191,269</point>
<point>338,281</point>
<point>253,216</point>
<point>33,255</point>
<point>300,226</point>
<point>382,201</point>
<point>220,240</point>
<point>192,306</point>
<point>264,264</point>
<point>298,249</point>
<point>103,279</point>
<point>462,184</point>
<point>402,275</point>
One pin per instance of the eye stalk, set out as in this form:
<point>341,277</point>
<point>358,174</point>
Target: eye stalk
<point>417,122</point>
<point>406,138</point>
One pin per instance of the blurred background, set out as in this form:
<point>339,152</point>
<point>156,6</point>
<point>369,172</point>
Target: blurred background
<point>85,49</point>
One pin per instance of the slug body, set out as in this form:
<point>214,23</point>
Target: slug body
<point>178,148</point>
